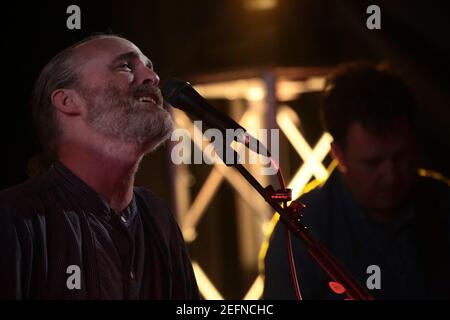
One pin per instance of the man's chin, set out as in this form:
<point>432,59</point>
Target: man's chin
<point>152,144</point>
<point>153,141</point>
<point>389,203</point>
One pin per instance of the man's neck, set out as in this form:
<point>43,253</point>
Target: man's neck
<point>108,170</point>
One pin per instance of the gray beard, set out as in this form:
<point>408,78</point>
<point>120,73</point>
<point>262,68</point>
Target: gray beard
<point>116,116</point>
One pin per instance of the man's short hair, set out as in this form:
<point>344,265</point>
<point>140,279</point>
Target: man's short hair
<point>372,94</point>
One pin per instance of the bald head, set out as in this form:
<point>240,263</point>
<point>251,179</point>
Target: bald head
<point>92,52</point>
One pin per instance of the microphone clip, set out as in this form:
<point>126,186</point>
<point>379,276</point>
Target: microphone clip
<point>280,195</point>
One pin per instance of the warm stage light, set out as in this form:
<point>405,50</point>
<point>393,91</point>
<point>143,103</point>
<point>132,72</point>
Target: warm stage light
<point>205,286</point>
<point>261,4</point>
<point>253,90</point>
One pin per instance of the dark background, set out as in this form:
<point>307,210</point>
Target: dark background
<point>194,37</point>
<point>187,38</point>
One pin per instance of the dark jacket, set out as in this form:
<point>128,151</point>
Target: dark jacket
<point>412,252</point>
<point>55,221</point>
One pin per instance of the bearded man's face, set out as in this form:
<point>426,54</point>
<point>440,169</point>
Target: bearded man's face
<point>136,116</point>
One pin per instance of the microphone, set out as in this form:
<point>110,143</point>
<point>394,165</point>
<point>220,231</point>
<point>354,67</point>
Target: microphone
<point>183,96</point>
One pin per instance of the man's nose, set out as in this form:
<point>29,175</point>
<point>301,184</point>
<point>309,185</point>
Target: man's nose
<point>148,75</point>
<point>390,171</point>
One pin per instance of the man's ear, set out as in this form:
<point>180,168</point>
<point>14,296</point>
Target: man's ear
<point>338,153</point>
<point>68,101</point>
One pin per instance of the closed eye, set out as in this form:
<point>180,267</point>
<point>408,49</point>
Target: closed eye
<point>126,66</point>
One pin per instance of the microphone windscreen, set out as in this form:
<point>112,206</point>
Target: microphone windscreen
<point>171,89</point>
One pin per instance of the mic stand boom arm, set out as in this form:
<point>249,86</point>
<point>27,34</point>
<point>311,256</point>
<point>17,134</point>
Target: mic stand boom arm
<point>291,219</point>
<point>181,95</point>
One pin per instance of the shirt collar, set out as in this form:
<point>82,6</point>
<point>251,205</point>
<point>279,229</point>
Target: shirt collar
<point>88,197</point>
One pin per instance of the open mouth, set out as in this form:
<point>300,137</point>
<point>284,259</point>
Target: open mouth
<point>146,94</point>
<point>148,99</point>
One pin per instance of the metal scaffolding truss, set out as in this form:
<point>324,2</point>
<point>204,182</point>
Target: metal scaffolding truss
<point>262,96</point>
